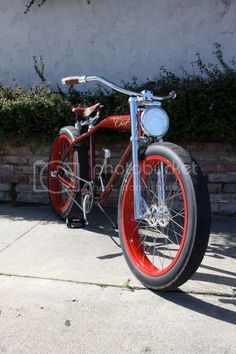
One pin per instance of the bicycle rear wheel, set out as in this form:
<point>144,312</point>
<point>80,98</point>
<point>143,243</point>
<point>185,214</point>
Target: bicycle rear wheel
<point>75,165</point>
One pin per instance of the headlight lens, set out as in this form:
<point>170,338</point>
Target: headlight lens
<point>155,122</point>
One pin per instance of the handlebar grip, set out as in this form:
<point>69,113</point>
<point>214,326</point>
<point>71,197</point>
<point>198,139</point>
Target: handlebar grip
<point>73,80</point>
<point>172,95</point>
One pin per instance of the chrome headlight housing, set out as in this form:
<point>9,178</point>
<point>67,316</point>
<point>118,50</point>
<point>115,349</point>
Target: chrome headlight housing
<point>155,121</point>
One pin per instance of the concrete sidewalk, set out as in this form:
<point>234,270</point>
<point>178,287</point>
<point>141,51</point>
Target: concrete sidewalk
<point>70,291</point>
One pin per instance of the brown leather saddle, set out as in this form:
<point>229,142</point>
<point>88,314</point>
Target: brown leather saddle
<point>85,111</point>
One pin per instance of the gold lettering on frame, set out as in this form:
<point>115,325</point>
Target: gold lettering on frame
<point>122,123</point>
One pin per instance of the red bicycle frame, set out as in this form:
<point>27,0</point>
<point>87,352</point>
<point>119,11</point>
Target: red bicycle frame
<point>118,122</point>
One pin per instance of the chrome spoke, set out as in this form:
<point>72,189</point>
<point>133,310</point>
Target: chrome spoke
<point>161,232</point>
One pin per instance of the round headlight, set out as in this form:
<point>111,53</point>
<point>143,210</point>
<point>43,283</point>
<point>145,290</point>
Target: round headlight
<point>155,122</point>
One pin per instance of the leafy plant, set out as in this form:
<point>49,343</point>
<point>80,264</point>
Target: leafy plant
<point>33,113</point>
<point>204,110</point>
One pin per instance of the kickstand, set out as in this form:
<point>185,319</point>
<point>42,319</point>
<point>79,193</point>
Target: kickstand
<point>114,226</point>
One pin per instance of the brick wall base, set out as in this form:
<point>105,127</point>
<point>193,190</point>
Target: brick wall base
<point>23,176</point>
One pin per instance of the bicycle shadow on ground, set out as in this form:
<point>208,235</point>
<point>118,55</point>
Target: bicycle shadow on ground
<point>215,278</point>
<point>28,212</point>
<point>222,241</point>
<point>222,246</point>
<point>18,211</point>
<point>99,224</point>
<point>203,307</point>
<point>215,249</point>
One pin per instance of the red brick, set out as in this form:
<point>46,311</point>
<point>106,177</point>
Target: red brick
<point>212,166</point>
<point>229,177</point>
<point>14,149</point>
<point>6,169</point>
<point>43,150</point>
<point>231,158</point>
<point>224,198</point>
<point>216,147</point>
<point>8,178</point>
<point>214,187</point>
<point>24,170</point>
<point>209,156</point>
<point>4,187</point>
<point>24,188</point>
<point>22,179</point>
<point>5,149</point>
<point>2,196</point>
<point>193,146</point>
<point>231,168</point>
<point>223,209</point>
<point>35,158</point>
<point>229,188</point>
<point>36,180</point>
<point>15,160</point>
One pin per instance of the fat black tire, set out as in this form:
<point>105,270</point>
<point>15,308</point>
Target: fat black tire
<point>198,229</point>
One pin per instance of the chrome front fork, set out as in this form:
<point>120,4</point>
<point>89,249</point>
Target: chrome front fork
<point>160,183</point>
<point>133,102</point>
<point>141,209</point>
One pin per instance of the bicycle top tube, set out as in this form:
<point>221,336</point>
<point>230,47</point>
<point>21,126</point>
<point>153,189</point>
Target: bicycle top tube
<point>144,95</point>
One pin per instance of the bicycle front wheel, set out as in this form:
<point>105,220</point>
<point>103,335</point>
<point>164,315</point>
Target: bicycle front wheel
<point>166,247</point>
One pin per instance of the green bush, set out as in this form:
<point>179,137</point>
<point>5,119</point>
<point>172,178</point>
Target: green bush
<point>33,113</point>
<point>204,110</point>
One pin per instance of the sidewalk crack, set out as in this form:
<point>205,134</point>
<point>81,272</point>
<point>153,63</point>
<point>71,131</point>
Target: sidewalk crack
<point>25,233</point>
<point>124,287</point>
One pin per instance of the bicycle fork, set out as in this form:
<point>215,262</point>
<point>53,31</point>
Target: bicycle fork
<point>133,102</point>
<point>141,209</point>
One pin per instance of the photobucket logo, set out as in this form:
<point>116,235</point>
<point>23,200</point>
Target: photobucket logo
<point>55,177</point>
<point>41,171</point>
<point>40,176</point>
<point>109,169</point>
<point>104,174</point>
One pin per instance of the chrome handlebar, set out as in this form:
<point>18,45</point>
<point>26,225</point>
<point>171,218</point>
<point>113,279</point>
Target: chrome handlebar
<point>144,95</point>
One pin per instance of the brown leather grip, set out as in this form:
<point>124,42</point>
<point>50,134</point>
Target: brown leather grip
<point>71,80</point>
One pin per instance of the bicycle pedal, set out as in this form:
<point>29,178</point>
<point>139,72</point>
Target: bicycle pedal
<point>75,222</point>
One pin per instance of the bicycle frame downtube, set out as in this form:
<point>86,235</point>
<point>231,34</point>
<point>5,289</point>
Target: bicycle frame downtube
<point>116,174</point>
<point>133,102</point>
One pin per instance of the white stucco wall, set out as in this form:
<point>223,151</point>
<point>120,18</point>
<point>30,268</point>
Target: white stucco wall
<point>113,38</point>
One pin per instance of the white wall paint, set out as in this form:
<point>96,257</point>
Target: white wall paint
<point>113,38</point>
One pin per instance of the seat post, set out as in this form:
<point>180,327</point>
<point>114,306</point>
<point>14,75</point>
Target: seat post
<point>77,123</point>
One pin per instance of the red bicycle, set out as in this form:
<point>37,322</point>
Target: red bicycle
<point>163,209</point>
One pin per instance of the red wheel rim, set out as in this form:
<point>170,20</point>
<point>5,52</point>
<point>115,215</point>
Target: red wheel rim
<point>59,198</point>
<point>142,242</point>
